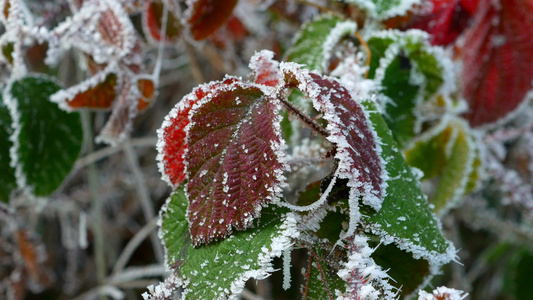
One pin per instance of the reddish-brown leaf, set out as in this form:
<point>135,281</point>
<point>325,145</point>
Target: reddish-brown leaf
<point>172,134</point>
<point>153,18</point>
<point>100,96</point>
<point>233,161</point>
<point>147,89</point>
<point>265,70</point>
<point>357,153</point>
<point>206,16</point>
<point>446,21</point>
<point>498,60</point>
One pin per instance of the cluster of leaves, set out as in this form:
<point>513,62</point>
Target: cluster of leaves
<point>371,127</point>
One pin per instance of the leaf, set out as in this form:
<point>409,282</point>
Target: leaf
<point>220,270</point>
<point>446,21</point>
<point>405,217</point>
<point>410,72</point>
<point>497,61</point>
<point>314,42</point>
<point>171,136</point>
<point>7,176</point>
<point>48,139</point>
<point>265,70</point>
<point>356,150</point>
<point>97,92</point>
<point>234,160</point>
<point>384,9</point>
<point>206,16</point>
<point>153,19</point>
<point>407,273</point>
<point>322,279</point>
<point>448,150</point>
<point>146,88</point>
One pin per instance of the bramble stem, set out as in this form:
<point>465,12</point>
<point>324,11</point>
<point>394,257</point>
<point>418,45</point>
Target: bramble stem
<point>304,118</point>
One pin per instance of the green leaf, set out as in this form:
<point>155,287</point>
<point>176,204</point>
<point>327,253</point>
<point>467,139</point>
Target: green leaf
<point>322,278</point>
<point>410,72</point>
<point>407,273</point>
<point>49,140</point>
<point>447,150</point>
<point>384,9</point>
<point>315,41</point>
<point>405,217</point>
<point>7,175</point>
<point>221,269</point>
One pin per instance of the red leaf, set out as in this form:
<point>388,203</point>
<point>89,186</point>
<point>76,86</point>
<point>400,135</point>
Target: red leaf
<point>356,149</point>
<point>172,134</point>
<point>153,19</point>
<point>234,165</point>
<point>498,60</point>
<point>446,21</point>
<point>98,92</point>
<point>206,16</point>
<point>147,89</point>
<point>265,70</point>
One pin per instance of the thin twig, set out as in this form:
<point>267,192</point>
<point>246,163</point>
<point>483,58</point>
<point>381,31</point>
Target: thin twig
<point>317,6</point>
<point>144,197</point>
<point>195,66</point>
<point>133,244</point>
<point>367,50</point>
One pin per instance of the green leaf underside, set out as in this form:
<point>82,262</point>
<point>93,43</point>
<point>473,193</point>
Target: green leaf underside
<point>7,175</point>
<point>458,170</point>
<point>233,167</point>
<point>383,9</point>
<point>221,268</point>
<point>405,217</point>
<point>397,80</point>
<point>407,273</point>
<point>50,139</point>
<point>308,47</point>
<point>324,281</point>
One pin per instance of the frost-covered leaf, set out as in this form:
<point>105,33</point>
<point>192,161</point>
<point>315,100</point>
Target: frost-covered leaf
<point>497,60</point>
<point>206,16</point>
<point>322,279</point>
<point>7,176</point>
<point>234,160</point>
<point>171,136</point>
<point>448,150</point>
<point>406,272</point>
<point>97,92</point>
<point>47,139</point>
<point>405,217</point>
<point>445,21</point>
<point>315,42</point>
<point>384,9</point>
<point>153,19</point>
<point>357,151</point>
<point>265,70</point>
<point>220,270</point>
<point>442,293</point>
<point>410,72</point>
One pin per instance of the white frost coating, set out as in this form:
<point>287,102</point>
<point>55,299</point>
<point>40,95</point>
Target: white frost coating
<point>287,269</point>
<point>364,278</point>
<point>442,293</point>
<point>280,244</point>
<point>165,289</point>
<point>261,58</point>
<point>12,106</point>
<point>341,29</point>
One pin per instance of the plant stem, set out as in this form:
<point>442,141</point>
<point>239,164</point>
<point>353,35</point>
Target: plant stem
<point>315,127</point>
<point>96,207</point>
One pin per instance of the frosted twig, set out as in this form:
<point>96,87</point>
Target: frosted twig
<point>106,290</point>
<point>134,273</point>
<point>144,197</point>
<point>133,244</point>
<point>304,118</point>
<point>195,67</point>
<point>108,151</point>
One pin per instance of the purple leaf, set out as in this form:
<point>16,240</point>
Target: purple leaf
<point>234,160</point>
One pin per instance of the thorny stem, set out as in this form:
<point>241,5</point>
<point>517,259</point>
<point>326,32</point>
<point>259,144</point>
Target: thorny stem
<point>308,277</point>
<point>322,275</point>
<point>144,197</point>
<point>97,207</point>
<point>304,118</point>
